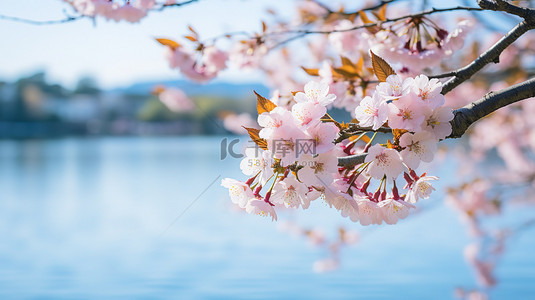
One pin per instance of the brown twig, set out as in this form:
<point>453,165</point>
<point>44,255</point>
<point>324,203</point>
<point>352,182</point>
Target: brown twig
<point>491,55</point>
<point>467,115</point>
<point>37,22</point>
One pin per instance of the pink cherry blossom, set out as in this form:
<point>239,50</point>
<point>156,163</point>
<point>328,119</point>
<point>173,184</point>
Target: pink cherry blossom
<point>176,100</point>
<point>291,193</point>
<point>145,4</point>
<point>394,210</point>
<point>315,92</point>
<point>383,161</point>
<point>344,203</point>
<point>406,113</point>
<point>247,54</point>
<point>369,212</point>
<point>455,40</point>
<point>214,59</point>
<point>84,7</point>
<point>283,144</point>
<point>239,192</point>
<point>428,91</point>
<point>235,123</point>
<point>257,162</point>
<point>273,120</point>
<point>437,122</point>
<point>322,135</point>
<point>318,170</point>
<point>128,13</point>
<point>307,114</point>
<point>420,146</point>
<point>347,42</point>
<point>372,112</point>
<point>262,208</point>
<point>421,188</point>
<point>325,265</point>
<point>394,87</point>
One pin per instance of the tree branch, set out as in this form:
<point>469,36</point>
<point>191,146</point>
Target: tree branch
<point>423,13</point>
<point>469,114</point>
<point>300,33</point>
<point>78,17</point>
<point>491,55</point>
<point>500,5</point>
<point>352,160</point>
<point>36,22</point>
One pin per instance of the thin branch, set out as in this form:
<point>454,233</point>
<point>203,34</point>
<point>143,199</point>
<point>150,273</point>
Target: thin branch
<point>75,18</point>
<point>352,160</point>
<point>164,6</point>
<point>303,32</point>
<point>36,22</point>
<point>467,115</point>
<point>491,102</point>
<point>500,5</point>
<point>373,7</point>
<point>428,12</point>
<point>491,55</point>
<point>354,129</point>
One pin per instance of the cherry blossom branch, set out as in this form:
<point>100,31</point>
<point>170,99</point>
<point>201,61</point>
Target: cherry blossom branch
<point>493,53</point>
<point>427,12</point>
<point>354,129</point>
<point>491,102</point>
<point>469,114</point>
<point>69,19</point>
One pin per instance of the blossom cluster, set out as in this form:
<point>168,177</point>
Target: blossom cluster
<point>175,99</point>
<point>200,66</point>
<point>298,162</point>
<point>130,11</point>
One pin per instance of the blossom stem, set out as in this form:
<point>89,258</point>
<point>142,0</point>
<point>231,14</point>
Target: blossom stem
<point>368,145</point>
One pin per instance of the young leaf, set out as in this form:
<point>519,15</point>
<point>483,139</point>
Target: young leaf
<point>191,38</point>
<point>263,104</point>
<point>264,27</point>
<point>381,13</point>
<point>364,17</point>
<point>169,43</point>
<point>193,31</point>
<point>347,62</point>
<point>327,118</point>
<point>253,134</point>
<point>360,64</point>
<point>397,133</point>
<point>311,72</point>
<point>381,68</point>
<point>345,73</point>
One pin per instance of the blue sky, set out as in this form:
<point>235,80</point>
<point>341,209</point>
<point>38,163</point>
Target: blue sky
<point>114,53</point>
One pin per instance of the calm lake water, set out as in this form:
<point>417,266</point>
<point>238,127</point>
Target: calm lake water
<point>138,218</point>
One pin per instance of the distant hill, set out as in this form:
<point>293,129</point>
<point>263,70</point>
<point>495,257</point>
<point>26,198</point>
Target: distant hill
<point>215,88</point>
